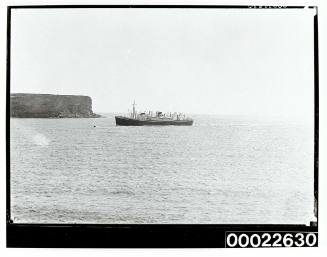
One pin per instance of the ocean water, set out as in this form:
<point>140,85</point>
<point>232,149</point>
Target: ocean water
<point>220,170</point>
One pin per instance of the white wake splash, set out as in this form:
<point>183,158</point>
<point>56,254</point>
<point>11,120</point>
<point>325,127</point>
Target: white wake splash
<point>41,140</point>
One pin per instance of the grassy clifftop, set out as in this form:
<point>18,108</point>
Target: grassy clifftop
<point>51,106</point>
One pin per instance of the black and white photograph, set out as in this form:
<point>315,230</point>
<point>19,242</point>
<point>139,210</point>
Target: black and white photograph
<point>162,116</point>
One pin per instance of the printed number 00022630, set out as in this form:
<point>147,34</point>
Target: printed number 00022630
<point>271,239</point>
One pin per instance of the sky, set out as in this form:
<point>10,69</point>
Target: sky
<point>200,61</point>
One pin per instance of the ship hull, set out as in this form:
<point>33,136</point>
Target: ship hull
<point>123,121</point>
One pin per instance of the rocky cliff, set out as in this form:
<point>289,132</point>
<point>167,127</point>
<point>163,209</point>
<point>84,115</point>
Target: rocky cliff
<point>51,106</point>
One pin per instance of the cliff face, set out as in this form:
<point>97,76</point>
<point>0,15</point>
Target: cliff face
<point>51,106</point>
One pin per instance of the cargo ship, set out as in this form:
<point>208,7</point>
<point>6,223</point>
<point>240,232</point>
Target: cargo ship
<point>153,119</point>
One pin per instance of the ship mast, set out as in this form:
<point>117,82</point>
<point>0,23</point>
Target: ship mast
<point>134,112</point>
